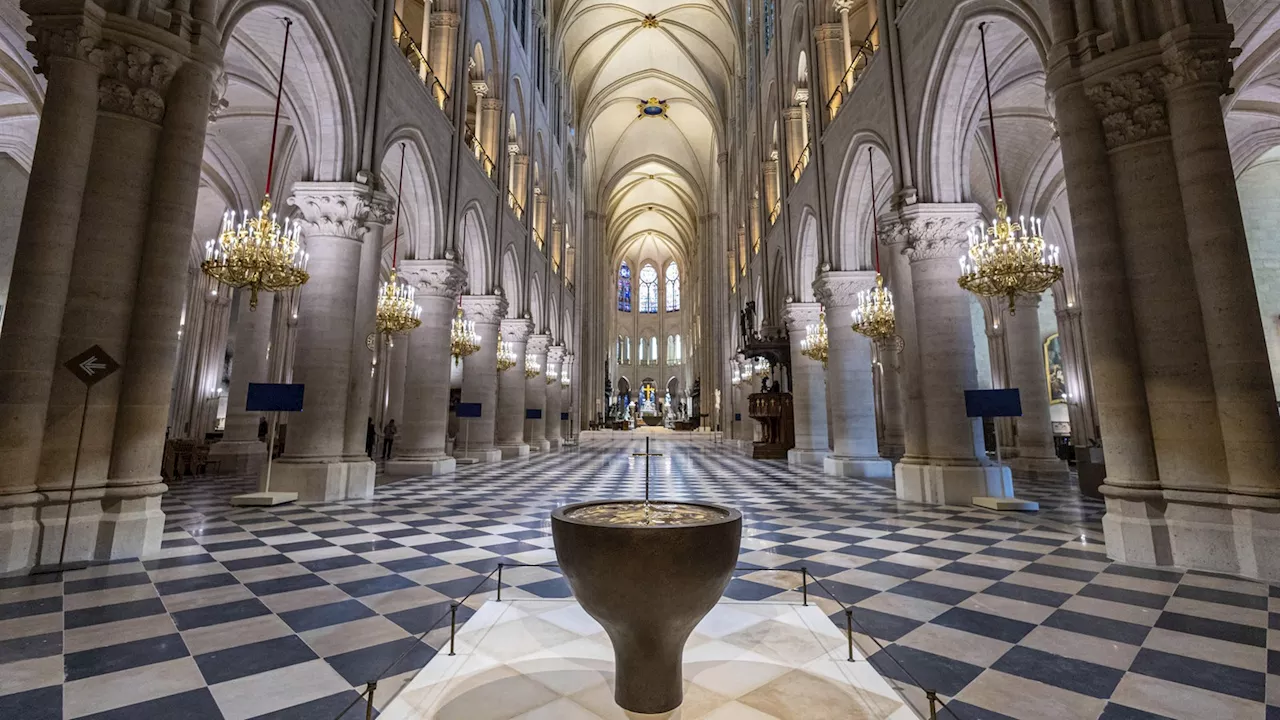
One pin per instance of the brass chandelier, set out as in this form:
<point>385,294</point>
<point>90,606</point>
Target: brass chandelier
<point>506,356</point>
<point>531,367</point>
<point>258,252</point>
<point>463,338</point>
<point>1007,258</point>
<point>815,344</point>
<point>552,376</point>
<point>397,313</point>
<point>873,315</point>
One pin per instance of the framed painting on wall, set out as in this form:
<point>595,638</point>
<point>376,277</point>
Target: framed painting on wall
<point>1055,376</point>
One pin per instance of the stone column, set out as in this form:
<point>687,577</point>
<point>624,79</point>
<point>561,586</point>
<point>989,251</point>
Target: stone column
<point>850,386</point>
<point>240,449</point>
<point>520,179</point>
<point>535,390</point>
<point>948,464</point>
<point>475,438</point>
<point>555,356</point>
<point>540,205</point>
<point>443,47</point>
<point>491,110</point>
<point>1036,456</point>
<point>364,330</point>
<point>793,133</point>
<point>771,187</point>
<point>1199,72</point>
<point>893,421</point>
<point>397,364</point>
<point>567,385</point>
<point>809,389</point>
<point>42,270</point>
<point>512,391</point>
<point>828,41</point>
<point>334,217</point>
<point>843,7</point>
<point>420,447</point>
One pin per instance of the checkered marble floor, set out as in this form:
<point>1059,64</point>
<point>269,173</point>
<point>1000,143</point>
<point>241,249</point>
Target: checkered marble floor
<point>286,612</point>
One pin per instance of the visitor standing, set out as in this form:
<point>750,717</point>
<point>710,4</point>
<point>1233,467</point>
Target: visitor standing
<point>388,437</point>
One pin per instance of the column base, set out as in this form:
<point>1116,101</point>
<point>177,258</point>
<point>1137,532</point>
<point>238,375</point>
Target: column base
<point>554,444</point>
<point>539,445</point>
<point>857,467</point>
<point>951,484</point>
<point>518,450</point>
<point>1033,468</point>
<point>132,522</point>
<point>319,481</point>
<point>1216,532</point>
<point>486,455</point>
<point>429,467</point>
<point>796,456</point>
<point>242,458</point>
<point>19,532</point>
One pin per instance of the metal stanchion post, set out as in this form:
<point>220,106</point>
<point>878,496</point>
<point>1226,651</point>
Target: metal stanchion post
<point>933,704</point>
<point>453,625</point>
<point>804,584</point>
<point>848,624</point>
<point>368,710</point>
<point>499,582</point>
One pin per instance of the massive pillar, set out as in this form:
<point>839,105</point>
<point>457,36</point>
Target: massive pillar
<point>893,421</point>
<point>1036,455</point>
<point>475,438</point>
<point>808,390</point>
<point>240,448</point>
<point>364,334</point>
<point>335,219</point>
<point>511,391</point>
<point>947,464</point>
<point>850,386</point>
<point>420,447</point>
<point>555,358</point>
<point>535,390</point>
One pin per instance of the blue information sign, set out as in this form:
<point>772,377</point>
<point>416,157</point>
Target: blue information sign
<point>533,413</point>
<point>993,403</point>
<point>274,397</point>
<point>468,410</point>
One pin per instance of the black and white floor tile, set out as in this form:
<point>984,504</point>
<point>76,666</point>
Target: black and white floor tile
<point>287,612</point>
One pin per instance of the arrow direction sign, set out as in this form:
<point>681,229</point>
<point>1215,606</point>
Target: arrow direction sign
<point>92,365</point>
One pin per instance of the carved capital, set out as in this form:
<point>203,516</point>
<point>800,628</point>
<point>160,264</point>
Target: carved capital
<point>1191,66</point>
<point>1131,106</point>
<point>64,37</point>
<point>831,32</point>
<point>842,6</point>
<point>840,288</point>
<point>435,278</point>
<point>799,316</point>
<point>555,354</point>
<point>484,309</point>
<point>932,231</point>
<point>516,330</point>
<point>538,344</point>
<point>339,209</point>
<point>134,79</point>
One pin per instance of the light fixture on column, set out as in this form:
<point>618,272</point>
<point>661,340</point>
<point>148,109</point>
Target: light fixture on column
<point>552,376</point>
<point>506,356</point>
<point>258,252</point>
<point>1008,258</point>
<point>873,315</point>
<point>531,368</point>
<point>463,338</point>
<point>815,345</point>
<point>397,313</point>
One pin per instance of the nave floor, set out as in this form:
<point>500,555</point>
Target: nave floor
<point>286,612</point>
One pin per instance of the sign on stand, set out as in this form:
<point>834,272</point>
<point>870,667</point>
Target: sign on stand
<point>90,367</point>
<point>1004,402</point>
<point>466,411</point>
<point>274,398</point>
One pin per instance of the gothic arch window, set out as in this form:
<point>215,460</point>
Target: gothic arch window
<point>624,287</point>
<point>649,290</point>
<point>766,20</point>
<point>679,351</point>
<point>671,349</point>
<point>673,288</point>
<point>653,349</point>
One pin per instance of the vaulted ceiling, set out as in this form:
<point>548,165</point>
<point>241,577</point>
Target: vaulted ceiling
<point>650,172</point>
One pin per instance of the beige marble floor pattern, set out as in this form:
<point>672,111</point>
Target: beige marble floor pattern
<point>549,660</point>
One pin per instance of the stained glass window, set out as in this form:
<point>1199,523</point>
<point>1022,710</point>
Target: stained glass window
<point>673,288</point>
<point>624,288</point>
<point>766,19</point>
<point>648,290</point>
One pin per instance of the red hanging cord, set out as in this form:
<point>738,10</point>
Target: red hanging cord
<point>875,221</point>
<point>275,127</point>
<point>991,115</point>
<point>395,235</point>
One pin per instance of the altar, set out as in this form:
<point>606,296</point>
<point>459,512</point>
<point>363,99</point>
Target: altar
<point>549,659</point>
